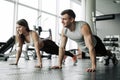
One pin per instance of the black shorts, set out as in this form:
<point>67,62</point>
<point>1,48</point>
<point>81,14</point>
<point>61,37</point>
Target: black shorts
<point>100,47</point>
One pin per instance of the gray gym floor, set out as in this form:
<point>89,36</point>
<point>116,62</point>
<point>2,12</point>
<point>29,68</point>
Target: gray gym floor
<point>25,70</point>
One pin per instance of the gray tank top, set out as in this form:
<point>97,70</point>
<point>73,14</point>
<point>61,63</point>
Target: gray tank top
<point>77,36</point>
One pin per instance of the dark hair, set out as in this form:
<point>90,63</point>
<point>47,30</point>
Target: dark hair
<point>70,12</point>
<point>23,23</point>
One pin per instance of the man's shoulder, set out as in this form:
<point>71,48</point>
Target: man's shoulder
<point>81,21</point>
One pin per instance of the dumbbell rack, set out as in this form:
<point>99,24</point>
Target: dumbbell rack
<point>112,44</point>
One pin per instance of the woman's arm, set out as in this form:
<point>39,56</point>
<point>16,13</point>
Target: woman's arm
<point>19,45</point>
<point>37,45</point>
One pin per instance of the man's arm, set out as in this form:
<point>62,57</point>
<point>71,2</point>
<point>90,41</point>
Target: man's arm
<point>61,51</point>
<point>86,32</point>
<point>62,48</point>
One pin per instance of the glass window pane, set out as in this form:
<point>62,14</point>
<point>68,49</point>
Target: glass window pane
<point>6,19</point>
<point>60,3</point>
<point>48,22</point>
<point>32,3</point>
<point>78,11</point>
<point>29,14</point>
<point>49,6</point>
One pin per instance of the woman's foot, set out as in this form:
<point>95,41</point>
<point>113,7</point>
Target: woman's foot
<point>38,66</point>
<point>74,58</point>
<point>56,67</point>
<point>13,64</point>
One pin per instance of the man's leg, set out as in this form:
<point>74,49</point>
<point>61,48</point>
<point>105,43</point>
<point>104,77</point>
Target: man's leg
<point>101,51</point>
<point>112,56</point>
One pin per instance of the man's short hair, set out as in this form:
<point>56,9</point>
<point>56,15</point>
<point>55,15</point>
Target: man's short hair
<point>70,12</point>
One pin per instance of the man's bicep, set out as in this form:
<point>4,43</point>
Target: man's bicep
<point>87,34</point>
<point>86,30</point>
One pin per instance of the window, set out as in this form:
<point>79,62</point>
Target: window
<point>29,14</point>
<point>32,3</point>
<point>49,6</point>
<point>6,20</point>
<point>78,11</point>
<point>31,10</point>
<point>48,22</point>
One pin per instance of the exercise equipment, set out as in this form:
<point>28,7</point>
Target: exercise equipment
<point>105,17</point>
<point>40,30</point>
<point>5,46</point>
<point>112,44</point>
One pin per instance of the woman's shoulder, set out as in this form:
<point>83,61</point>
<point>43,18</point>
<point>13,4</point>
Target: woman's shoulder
<point>33,32</point>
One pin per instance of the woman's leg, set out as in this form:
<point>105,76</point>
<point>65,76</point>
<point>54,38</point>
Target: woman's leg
<point>52,48</point>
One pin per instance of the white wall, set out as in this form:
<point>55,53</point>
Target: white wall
<point>108,27</point>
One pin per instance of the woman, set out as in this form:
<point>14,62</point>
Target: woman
<point>31,38</point>
<point>26,36</point>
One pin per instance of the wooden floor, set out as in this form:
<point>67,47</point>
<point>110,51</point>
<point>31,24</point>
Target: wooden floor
<point>25,70</point>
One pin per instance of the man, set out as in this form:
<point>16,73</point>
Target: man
<point>80,32</point>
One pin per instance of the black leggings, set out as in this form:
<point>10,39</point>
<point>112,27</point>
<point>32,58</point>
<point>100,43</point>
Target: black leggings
<point>50,47</point>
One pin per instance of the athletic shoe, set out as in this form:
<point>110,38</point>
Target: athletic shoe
<point>107,61</point>
<point>74,58</point>
<point>114,59</point>
<point>34,56</point>
<point>26,55</point>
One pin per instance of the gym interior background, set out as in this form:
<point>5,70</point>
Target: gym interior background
<point>46,13</point>
<point>102,15</point>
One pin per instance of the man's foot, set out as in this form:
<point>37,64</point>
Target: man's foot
<point>107,61</point>
<point>114,59</point>
<point>74,58</point>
